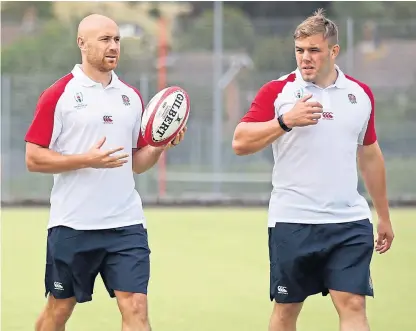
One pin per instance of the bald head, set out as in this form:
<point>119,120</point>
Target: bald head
<point>99,42</point>
<point>94,23</point>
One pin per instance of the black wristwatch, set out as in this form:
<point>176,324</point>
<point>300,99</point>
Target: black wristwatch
<point>282,124</point>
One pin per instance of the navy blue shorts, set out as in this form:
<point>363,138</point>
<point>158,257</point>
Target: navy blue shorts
<point>75,257</point>
<point>307,259</point>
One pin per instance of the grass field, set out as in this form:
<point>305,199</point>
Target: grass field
<point>209,273</point>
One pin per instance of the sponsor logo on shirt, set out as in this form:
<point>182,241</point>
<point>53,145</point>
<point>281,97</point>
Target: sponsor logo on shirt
<point>108,119</point>
<point>327,115</point>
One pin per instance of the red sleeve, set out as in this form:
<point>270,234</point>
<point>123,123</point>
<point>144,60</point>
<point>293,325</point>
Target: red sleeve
<point>262,108</point>
<point>41,129</point>
<point>140,141</point>
<point>370,136</point>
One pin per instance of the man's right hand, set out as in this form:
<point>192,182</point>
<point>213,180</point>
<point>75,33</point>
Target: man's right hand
<point>303,113</point>
<point>97,158</point>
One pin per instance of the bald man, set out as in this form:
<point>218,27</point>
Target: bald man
<point>86,132</point>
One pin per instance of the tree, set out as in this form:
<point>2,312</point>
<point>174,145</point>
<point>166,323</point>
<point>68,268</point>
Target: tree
<point>16,10</point>
<point>52,51</point>
<point>274,54</point>
<point>238,32</point>
<point>257,9</point>
<point>375,9</point>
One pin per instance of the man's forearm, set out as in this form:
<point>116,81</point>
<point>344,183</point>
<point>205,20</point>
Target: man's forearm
<point>47,161</point>
<point>250,138</point>
<point>374,175</point>
<point>146,158</point>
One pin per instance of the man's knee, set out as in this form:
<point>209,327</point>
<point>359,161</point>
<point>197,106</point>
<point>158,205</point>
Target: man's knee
<point>62,312</point>
<point>59,310</point>
<point>348,303</point>
<point>286,312</point>
<point>132,305</point>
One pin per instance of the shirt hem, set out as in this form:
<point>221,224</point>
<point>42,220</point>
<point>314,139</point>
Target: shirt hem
<point>271,223</point>
<point>77,226</point>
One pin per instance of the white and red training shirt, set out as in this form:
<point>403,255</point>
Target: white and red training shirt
<point>71,116</point>
<point>315,172</point>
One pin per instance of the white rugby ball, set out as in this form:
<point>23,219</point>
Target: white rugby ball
<point>165,115</point>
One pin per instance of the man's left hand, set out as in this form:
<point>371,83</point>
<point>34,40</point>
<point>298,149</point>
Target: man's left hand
<point>179,137</point>
<point>385,236</point>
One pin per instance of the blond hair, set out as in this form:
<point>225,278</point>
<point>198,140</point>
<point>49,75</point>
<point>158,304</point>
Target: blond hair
<point>317,24</point>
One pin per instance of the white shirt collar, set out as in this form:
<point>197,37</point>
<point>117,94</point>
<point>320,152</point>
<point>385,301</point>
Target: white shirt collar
<point>341,81</point>
<point>88,82</point>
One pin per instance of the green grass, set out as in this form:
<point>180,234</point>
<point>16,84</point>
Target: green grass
<point>209,273</point>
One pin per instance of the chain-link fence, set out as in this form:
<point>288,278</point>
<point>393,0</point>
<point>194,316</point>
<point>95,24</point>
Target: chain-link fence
<point>222,74</point>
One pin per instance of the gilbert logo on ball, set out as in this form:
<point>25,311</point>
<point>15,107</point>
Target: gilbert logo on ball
<point>165,115</point>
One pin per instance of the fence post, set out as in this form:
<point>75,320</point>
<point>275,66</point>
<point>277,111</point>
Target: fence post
<point>217,115</point>
<point>6,158</point>
<point>144,91</point>
<point>350,46</point>
<point>144,88</point>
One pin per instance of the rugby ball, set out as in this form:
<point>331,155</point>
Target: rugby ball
<point>165,115</point>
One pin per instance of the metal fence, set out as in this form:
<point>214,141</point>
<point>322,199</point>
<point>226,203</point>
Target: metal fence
<point>222,67</point>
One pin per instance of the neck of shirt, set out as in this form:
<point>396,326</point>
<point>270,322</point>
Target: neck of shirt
<point>330,80</point>
<point>103,78</point>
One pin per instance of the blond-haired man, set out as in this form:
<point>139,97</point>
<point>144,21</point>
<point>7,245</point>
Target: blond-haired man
<point>319,121</point>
